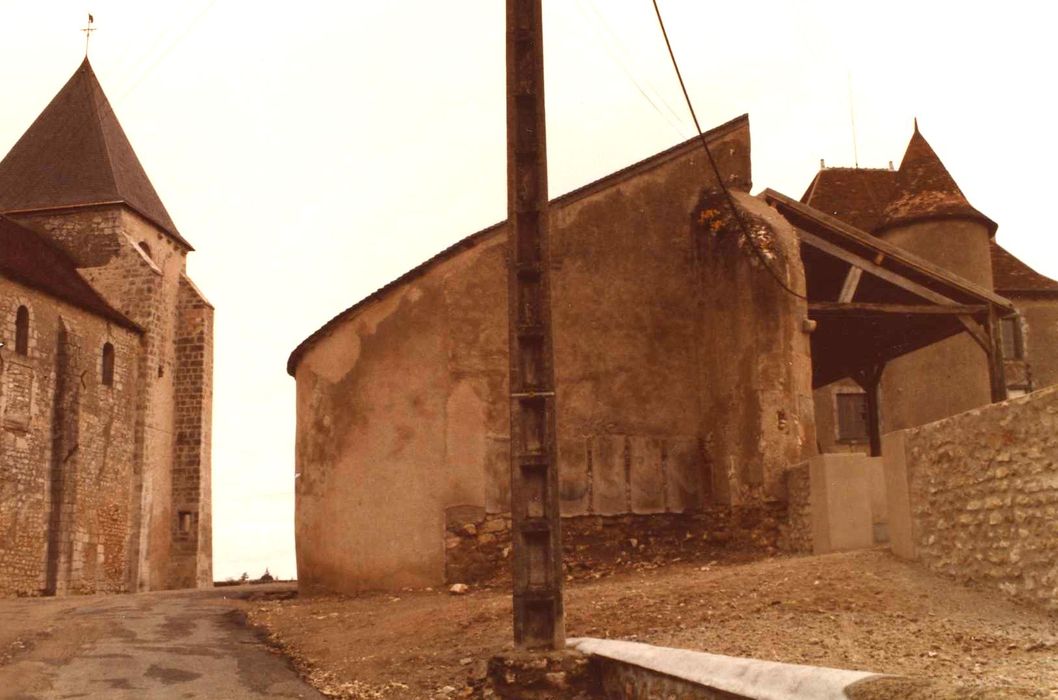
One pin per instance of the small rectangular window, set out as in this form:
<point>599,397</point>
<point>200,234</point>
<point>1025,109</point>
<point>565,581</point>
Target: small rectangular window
<point>852,417</point>
<point>1011,332</point>
<point>185,522</point>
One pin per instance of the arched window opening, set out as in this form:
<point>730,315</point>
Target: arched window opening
<point>22,331</point>
<point>108,364</point>
<point>146,249</point>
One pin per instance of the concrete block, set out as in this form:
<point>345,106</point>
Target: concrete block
<point>608,479</point>
<point>647,481</point>
<point>841,503</point>
<point>898,502</point>
<point>734,677</point>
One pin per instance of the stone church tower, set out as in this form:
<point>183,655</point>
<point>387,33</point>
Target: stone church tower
<point>74,179</point>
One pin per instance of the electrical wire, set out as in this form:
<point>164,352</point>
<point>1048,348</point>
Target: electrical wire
<point>716,170</point>
<point>675,121</point>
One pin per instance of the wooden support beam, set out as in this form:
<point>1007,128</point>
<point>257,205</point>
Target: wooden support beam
<point>996,372</point>
<point>977,333</point>
<point>855,260</point>
<point>852,281</point>
<point>869,378</point>
<point>830,308</point>
<point>793,210</point>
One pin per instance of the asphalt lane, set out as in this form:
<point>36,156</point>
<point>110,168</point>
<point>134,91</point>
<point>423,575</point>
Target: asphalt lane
<point>173,644</point>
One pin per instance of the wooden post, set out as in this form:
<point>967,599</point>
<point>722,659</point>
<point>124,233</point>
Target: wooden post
<point>996,373</point>
<point>535,518</point>
<point>869,378</point>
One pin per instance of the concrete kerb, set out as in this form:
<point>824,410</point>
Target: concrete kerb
<point>738,677</point>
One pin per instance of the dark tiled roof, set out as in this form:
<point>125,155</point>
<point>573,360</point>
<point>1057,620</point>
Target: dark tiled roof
<point>29,259</point>
<point>76,153</point>
<point>873,199</point>
<point>925,190</point>
<point>857,196</point>
<point>1012,275</point>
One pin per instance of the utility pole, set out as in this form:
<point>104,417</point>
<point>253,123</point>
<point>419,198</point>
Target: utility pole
<point>535,518</point>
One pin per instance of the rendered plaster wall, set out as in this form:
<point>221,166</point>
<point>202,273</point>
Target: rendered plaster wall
<point>107,244</point>
<point>67,445</point>
<point>757,413</point>
<point>1039,333</point>
<point>975,496</point>
<point>403,407</point>
<point>951,376</point>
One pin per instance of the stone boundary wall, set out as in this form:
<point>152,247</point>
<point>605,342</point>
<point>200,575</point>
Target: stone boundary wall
<point>477,545</point>
<point>975,496</point>
<point>795,535</point>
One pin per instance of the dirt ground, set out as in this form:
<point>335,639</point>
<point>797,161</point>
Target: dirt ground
<point>863,610</point>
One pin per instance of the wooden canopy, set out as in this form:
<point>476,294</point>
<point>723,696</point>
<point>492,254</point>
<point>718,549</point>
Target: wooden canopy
<point>874,301</point>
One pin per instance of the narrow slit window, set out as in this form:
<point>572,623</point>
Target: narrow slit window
<point>22,331</point>
<point>108,364</point>
<point>185,522</point>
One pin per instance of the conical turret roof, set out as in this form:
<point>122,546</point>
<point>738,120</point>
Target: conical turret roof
<point>76,153</point>
<point>925,190</point>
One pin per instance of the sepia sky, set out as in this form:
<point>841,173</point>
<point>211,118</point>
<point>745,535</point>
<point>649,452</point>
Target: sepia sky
<point>314,151</point>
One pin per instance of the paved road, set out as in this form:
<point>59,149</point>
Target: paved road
<point>177,644</point>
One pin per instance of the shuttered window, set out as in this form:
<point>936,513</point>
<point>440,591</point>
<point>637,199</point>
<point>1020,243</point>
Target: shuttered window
<point>1011,331</point>
<point>852,416</point>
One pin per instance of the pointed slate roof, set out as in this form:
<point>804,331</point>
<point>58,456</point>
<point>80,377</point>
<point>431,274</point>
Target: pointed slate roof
<point>31,260</point>
<point>76,154</point>
<point>925,190</point>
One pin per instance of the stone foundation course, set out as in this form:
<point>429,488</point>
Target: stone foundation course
<point>478,545</point>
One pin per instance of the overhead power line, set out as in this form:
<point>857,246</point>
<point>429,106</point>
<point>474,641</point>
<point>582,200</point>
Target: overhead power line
<point>716,170</point>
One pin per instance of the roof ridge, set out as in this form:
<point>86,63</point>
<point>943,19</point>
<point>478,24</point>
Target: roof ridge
<point>97,123</point>
<point>573,195</point>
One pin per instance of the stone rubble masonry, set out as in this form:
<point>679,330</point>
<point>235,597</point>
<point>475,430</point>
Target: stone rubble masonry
<point>66,449</point>
<point>975,496</point>
<point>554,675</point>
<point>796,532</point>
<point>140,271</point>
<point>190,562</point>
<point>477,544</point>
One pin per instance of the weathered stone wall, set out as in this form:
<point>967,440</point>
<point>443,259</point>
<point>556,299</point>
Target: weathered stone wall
<point>477,545</point>
<point>190,562</point>
<point>138,268</point>
<point>975,496</point>
<point>796,532</point>
<point>67,445</point>
<point>757,413</point>
<point>403,407</point>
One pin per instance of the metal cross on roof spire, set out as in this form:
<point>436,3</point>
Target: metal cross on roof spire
<point>88,29</point>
